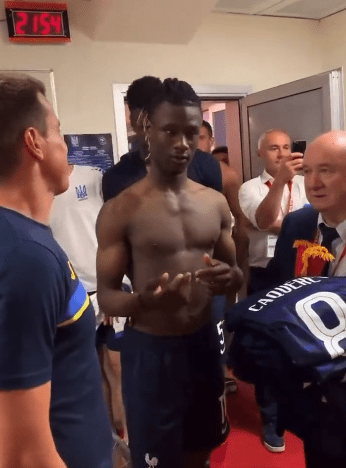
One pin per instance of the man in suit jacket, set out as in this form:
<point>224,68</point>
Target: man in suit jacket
<point>300,224</point>
<point>325,184</point>
<point>324,223</point>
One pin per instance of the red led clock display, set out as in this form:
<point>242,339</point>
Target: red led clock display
<point>37,21</point>
<point>31,23</point>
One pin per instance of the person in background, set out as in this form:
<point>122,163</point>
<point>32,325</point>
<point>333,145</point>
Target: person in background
<point>73,223</point>
<point>206,140</point>
<point>230,188</point>
<point>265,200</point>
<point>320,229</point>
<point>221,154</point>
<point>47,339</point>
<point>324,166</point>
<point>205,143</point>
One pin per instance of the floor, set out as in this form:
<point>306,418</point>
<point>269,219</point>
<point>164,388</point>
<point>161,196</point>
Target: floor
<point>243,448</point>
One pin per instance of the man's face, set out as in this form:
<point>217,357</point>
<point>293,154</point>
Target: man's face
<point>274,147</point>
<point>205,141</point>
<point>173,134</point>
<point>55,167</point>
<point>325,179</point>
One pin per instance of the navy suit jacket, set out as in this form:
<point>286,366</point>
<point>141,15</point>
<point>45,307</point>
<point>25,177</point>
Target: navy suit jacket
<point>298,225</point>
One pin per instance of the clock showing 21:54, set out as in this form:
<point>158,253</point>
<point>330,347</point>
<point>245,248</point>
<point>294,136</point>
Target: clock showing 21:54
<point>28,21</point>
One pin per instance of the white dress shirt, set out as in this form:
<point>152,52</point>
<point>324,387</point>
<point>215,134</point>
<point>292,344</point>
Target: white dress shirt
<point>251,195</point>
<point>338,266</point>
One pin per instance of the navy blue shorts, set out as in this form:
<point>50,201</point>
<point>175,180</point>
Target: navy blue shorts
<point>106,336</point>
<point>218,311</point>
<point>173,391</point>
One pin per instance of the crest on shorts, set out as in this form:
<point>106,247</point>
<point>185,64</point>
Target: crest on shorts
<point>151,462</point>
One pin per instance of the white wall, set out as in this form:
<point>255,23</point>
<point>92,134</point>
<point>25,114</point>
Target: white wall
<point>227,49</point>
<point>333,43</point>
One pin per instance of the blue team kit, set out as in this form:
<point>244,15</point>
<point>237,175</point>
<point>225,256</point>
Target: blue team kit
<point>295,336</point>
<point>306,317</point>
<point>48,335</point>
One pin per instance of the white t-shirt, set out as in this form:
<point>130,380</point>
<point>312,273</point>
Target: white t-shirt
<point>73,221</point>
<point>251,194</point>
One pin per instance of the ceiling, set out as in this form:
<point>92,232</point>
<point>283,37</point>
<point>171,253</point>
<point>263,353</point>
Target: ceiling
<point>308,9</point>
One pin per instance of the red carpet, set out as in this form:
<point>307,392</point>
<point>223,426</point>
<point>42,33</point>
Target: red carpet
<point>243,448</point>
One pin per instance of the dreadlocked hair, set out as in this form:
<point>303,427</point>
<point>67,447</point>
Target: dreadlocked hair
<point>141,92</point>
<point>175,92</point>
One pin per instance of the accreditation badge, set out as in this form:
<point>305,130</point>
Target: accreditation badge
<point>271,243</point>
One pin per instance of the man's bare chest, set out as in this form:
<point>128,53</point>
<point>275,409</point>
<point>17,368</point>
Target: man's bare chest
<point>172,224</point>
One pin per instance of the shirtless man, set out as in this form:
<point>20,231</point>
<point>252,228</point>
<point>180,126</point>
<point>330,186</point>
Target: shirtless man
<point>174,234</point>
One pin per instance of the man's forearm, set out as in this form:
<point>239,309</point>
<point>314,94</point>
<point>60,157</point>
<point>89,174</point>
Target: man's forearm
<point>115,303</point>
<point>269,209</point>
<point>236,283</point>
<point>241,242</point>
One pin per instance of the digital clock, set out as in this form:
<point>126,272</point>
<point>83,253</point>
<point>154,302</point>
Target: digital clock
<point>37,22</point>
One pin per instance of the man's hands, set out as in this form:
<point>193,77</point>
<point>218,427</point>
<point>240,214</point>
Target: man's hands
<point>217,277</point>
<point>160,294</point>
<point>289,167</point>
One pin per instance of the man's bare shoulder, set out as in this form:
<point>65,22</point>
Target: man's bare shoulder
<point>117,212</point>
<point>203,191</point>
<point>210,196</point>
<point>229,173</point>
<point>128,199</point>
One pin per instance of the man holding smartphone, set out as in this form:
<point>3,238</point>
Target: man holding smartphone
<point>265,200</point>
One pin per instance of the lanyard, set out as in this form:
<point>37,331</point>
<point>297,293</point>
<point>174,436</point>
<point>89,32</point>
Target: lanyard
<point>290,198</point>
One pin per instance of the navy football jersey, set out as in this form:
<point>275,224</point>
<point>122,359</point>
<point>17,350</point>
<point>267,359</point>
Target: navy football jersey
<point>305,317</point>
<point>47,334</point>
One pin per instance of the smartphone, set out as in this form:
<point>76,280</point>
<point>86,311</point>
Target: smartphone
<point>299,146</point>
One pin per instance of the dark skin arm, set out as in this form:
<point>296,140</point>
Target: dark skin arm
<point>112,259</point>
<point>230,188</point>
<point>222,275</point>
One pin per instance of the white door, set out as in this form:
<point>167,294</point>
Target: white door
<point>304,109</point>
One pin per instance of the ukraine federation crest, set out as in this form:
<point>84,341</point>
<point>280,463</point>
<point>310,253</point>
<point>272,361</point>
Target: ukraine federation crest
<point>81,192</point>
<point>74,140</point>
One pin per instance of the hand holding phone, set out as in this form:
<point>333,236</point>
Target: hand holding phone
<point>298,146</point>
